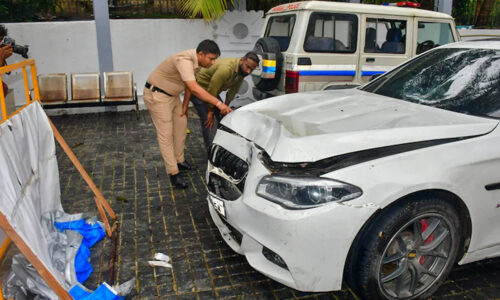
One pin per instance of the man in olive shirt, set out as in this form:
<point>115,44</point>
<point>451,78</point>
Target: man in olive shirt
<point>161,95</point>
<point>225,75</point>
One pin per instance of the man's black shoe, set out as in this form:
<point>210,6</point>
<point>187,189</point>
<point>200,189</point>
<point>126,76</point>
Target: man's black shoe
<point>177,182</point>
<point>185,166</point>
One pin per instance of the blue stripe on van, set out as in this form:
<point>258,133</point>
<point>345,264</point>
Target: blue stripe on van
<point>371,73</point>
<point>269,69</point>
<point>328,73</point>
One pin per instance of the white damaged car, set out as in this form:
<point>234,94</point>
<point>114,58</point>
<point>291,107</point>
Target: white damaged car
<point>386,186</point>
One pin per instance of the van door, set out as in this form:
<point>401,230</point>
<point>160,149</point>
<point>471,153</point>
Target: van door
<point>384,44</point>
<point>431,33</point>
<point>331,51</point>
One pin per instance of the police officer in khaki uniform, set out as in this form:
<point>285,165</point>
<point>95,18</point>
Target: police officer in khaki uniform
<point>161,95</point>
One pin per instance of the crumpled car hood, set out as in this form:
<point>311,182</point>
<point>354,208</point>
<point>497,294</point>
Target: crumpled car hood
<point>307,127</point>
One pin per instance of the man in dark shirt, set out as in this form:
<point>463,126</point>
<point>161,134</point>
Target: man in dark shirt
<point>5,52</point>
<point>225,75</point>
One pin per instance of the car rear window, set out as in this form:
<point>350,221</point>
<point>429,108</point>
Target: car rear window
<point>281,28</point>
<point>335,33</point>
<point>460,80</point>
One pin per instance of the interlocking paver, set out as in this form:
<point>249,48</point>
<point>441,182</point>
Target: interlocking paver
<point>122,156</point>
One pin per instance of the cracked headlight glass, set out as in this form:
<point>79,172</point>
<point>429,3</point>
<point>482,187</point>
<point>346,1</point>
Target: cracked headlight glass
<point>305,192</point>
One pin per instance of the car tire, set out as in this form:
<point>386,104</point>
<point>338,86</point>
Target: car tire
<point>408,251</point>
<point>268,45</point>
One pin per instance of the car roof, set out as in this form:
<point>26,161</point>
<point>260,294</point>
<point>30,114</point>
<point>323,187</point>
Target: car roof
<point>357,8</point>
<point>487,43</point>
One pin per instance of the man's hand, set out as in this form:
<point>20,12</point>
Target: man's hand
<point>184,111</point>
<point>5,52</point>
<point>205,96</point>
<point>185,103</point>
<point>224,109</point>
<point>210,119</point>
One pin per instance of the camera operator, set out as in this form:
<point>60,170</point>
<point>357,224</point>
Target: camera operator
<point>5,52</point>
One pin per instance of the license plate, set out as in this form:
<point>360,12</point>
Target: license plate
<point>219,206</point>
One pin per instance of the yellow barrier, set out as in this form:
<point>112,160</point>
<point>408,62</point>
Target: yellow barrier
<point>20,65</point>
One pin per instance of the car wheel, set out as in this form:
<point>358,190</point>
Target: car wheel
<point>408,252</point>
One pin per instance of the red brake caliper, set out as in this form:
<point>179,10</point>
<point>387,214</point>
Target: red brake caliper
<point>424,225</point>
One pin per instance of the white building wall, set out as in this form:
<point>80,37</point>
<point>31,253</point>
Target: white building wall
<point>137,45</point>
<point>140,45</point>
<point>57,47</point>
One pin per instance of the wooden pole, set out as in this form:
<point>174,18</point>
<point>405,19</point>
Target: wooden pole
<point>99,199</point>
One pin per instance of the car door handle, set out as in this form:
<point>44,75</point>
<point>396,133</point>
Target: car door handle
<point>370,59</point>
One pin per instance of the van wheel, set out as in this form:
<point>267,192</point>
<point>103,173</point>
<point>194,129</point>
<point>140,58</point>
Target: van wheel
<point>268,45</point>
<point>408,252</point>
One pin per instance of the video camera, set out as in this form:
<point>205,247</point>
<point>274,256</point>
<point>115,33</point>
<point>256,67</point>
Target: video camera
<point>21,50</point>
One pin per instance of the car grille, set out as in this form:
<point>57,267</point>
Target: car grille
<point>223,188</point>
<point>229,163</point>
<point>229,187</point>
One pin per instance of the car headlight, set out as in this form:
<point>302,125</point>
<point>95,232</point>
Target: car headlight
<point>305,192</point>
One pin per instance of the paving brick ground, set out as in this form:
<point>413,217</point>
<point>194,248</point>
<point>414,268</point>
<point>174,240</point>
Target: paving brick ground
<point>121,155</point>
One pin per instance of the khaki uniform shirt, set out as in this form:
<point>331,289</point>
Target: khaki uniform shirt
<point>172,72</point>
<point>221,76</point>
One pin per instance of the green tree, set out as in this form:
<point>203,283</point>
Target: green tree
<point>27,10</point>
<point>209,9</point>
<point>484,9</point>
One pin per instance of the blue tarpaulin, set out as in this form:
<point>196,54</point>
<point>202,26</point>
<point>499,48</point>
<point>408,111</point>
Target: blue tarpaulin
<point>92,233</point>
<point>103,292</point>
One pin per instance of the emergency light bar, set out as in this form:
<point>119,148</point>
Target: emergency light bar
<point>403,4</point>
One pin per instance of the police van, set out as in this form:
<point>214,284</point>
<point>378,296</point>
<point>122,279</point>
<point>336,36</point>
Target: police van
<point>317,45</point>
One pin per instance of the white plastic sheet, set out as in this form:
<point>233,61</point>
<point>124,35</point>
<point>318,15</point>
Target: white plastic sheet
<point>29,178</point>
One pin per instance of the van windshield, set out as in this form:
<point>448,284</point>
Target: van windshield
<point>280,28</point>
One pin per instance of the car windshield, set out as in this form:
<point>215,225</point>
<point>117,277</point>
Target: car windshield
<point>459,80</point>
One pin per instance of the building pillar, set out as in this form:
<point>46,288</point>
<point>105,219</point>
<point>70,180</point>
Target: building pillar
<point>103,33</point>
<point>443,6</point>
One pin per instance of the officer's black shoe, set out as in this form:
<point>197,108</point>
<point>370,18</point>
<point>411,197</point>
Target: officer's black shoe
<point>178,182</point>
<point>185,166</point>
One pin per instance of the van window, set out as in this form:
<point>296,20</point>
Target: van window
<point>432,34</point>
<point>385,36</point>
<point>336,33</point>
<point>280,28</point>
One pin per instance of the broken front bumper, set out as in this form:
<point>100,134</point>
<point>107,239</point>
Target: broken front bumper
<point>303,249</point>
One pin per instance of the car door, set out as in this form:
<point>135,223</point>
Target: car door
<point>331,48</point>
<point>383,44</point>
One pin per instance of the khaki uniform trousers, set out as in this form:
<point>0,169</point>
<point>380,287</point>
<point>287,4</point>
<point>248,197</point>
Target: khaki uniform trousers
<point>170,127</point>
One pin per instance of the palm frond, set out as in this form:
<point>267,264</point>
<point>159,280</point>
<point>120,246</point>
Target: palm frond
<point>209,9</point>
